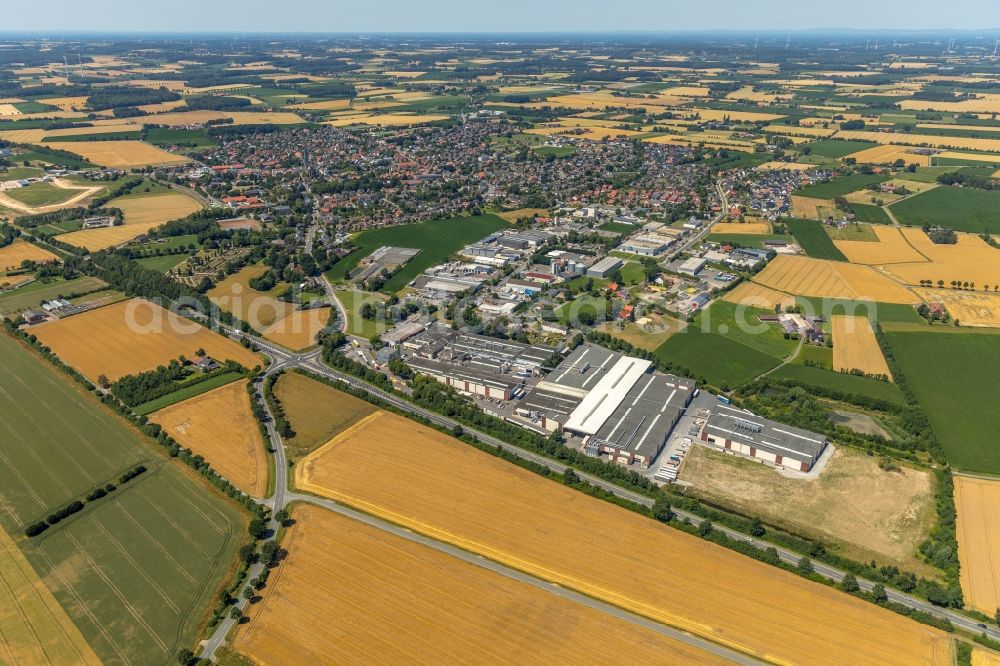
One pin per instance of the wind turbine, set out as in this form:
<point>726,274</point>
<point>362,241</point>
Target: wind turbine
<point>756,43</point>
<point>996,46</point>
<point>788,42</point>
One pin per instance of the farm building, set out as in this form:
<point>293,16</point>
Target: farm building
<point>739,431</point>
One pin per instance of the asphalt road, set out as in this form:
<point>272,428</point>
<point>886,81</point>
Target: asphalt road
<point>283,359</point>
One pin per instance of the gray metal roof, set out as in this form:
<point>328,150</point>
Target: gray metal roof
<point>741,426</point>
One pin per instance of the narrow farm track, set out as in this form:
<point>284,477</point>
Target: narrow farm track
<point>282,359</point>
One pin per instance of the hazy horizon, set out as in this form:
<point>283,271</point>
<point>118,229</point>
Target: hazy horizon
<point>512,17</point>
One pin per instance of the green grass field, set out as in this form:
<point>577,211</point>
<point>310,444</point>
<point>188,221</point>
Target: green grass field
<point>41,194</point>
<point>839,381</point>
<point>437,241</point>
<point>163,263</point>
<point>356,325</point>
<point>836,149</point>
<point>812,238</point>
<point>46,156</point>
<point>747,240</point>
<point>721,361</point>
<point>166,136</point>
<point>875,312</point>
<point>619,227</point>
<point>555,151</point>
<point>186,392</point>
<point>955,377</point>
<point>959,208</point>
<point>20,173</point>
<point>870,214</point>
<point>741,324</point>
<point>136,570</point>
<point>838,187</point>
<point>32,295</point>
<point>129,135</point>
<point>926,174</point>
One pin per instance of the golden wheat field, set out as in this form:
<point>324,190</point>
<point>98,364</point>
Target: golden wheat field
<point>142,212</point>
<point>971,260</point>
<point>758,296</point>
<point>298,329</point>
<point>133,336</point>
<point>888,154</point>
<point>855,346</point>
<point>808,207</point>
<point>387,119</point>
<point>975,157</point>
<point>983,657</point>
<point>220,426</point>
<point>801,130</point>
<point>752,228</point>
<point>784,166</point>
<point>11,256</point>
<point>983,103</point>
<point>510,515</point>
<point>890,248</point>
<point>921,140</point>
<point>400,602</point>
<point>804,276</point>
<point>978,505</point>
<point>120,154</point>
<point>971,308</point>
<point>34,628</point>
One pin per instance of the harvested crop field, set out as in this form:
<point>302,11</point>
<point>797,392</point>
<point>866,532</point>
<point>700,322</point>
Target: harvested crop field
<point>784,166</point>
<point>855,346</point>
<point>751,228</point>
<point>276,320</point>
<point>807,207</point>
<point>867,511</point>
<point>36,630</point>
<point>298,329</point>
<point>758,296</point>
<point>13,255</point>
<point>978,527</point>
<point>400,602</point>
<point>971,260</point>
<point>316,411</point>
<point>387,119</point>
<point>119,154</point>
<point>142,212</point>
<point>510,515</point>
<point>220,426</point>
<point>133,336</point>
<point>888,154</point>
<point>890,248</point>
<point>970,308</point>
<point>803,276</point>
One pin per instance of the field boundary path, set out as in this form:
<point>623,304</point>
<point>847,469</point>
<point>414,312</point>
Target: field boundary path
<point>311,362</point>
<point>283,497</point>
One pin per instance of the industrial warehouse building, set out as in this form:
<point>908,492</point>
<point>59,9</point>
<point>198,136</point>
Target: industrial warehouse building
<point>738,431</point>
<point>612,401</point>
<point>604,267</point>
<point>474,364</point>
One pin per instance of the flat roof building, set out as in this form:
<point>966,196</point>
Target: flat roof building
<point>604,267</point>
<point>736,430</point>
<point>637,430</point>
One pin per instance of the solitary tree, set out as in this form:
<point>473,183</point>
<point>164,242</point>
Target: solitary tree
<point>805,566</point>
<point>757,528</point>
<point>236,614</point>
<point>185,656</point>
<point>850,583</point>
<point>878,593</point>
<point>661,509</point>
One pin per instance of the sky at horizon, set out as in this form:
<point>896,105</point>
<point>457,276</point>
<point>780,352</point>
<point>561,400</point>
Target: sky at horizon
<point>507,16</point>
